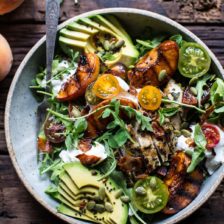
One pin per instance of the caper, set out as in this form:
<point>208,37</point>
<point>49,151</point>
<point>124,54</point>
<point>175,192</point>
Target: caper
<point>153,182</point>
<point>99,208</point>
<point>90,205</point>
<point>118,194</point>
<point>125,199</point>
<point>162,75</point>
<point>193,81</point>
<point>184,125</point>
<point>140,191</point>
<point>177,133</point>
<point>108,207</point>
<point>194,91</point>
<point>186,133</point>
<point>102,193</point>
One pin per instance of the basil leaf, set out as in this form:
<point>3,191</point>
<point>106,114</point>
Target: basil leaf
<point>199,137</point>
<point>197,157</point>
<point>217,91</point>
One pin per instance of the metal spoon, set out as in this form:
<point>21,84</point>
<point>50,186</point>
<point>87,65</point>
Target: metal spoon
<point>52,16</point>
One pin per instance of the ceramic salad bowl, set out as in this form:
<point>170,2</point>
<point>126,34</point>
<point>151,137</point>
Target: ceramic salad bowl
<point>20,116</point>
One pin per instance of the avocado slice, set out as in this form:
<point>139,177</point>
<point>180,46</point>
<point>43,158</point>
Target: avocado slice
<point>66,210</point>
<point>79,27</point>
<point>98,28</point>
<point>74,34</point>
<point>82,177</point>
<point>66,206</point>
<point>67,181</point>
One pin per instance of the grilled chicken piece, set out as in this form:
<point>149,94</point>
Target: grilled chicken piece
<point>154,151</point>
<point>183,187</point>
<point>147,70</point>
<point>87,72</point>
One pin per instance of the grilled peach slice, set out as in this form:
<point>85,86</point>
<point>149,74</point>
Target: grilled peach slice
<point>156,67</point>
<point>87,72</point>
<point>96,124</point>
<point>183,187</point>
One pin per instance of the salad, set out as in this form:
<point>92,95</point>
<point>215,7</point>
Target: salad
<point>134,126</point>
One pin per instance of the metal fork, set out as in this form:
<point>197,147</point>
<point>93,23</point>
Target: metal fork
<point>52,16</point>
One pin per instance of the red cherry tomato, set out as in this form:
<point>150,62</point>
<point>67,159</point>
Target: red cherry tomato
<point>211,134</point>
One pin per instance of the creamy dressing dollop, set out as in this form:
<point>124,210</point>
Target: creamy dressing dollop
<point>97,150</point>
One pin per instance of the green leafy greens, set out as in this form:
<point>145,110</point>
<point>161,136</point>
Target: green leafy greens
<point>178,39</point>
<point>217,91</point>
<point>167,112</point>
<point>199,151</point>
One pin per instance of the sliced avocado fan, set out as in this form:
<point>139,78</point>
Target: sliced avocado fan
<point>78,188</point>
<point>104,36</point>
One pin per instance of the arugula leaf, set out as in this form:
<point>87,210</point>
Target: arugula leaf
<point>199,151</point>
<point>178,39</point>
<point>199,137</point>
<point>167,112</point>
<point>219,110</point>
<point>52,191</point>
<point>144,122</point>
<point>197,156</point>
<point>200,85</point>
<point>80,125</point>
<point>145,45</point>
<point>109,165</point>
<point>217,91</point>
<point>121,137</point>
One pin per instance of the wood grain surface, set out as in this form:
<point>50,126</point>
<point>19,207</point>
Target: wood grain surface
<point>25,26</point>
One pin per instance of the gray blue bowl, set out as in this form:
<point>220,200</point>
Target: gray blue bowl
<point>20,117</point>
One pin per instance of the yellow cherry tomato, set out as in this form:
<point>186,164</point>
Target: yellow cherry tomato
<point>106,87</point>
<point>150,98</point>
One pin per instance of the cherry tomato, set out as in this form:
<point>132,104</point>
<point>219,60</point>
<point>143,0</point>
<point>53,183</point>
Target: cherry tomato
<point>150,98</point>
<point>150,195</point>
<point>194,60</point>
<point>106,87</point>
<point>211,134</point>
<point>54,130</point>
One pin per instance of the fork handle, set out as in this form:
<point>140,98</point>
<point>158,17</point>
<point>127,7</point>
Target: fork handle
<point>52,16</point>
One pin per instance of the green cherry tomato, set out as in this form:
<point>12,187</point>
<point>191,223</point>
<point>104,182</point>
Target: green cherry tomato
<point>150,195</point>
<point>194,60</point>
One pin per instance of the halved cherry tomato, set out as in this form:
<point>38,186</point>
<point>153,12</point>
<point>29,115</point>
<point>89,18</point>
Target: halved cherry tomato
<point>106,87</point>
<point>211,134</point>
<point>150,195</point>
<point>194,60</point>
<point>150,98</point>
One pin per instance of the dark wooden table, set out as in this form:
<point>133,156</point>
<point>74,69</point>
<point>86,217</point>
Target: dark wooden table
<point>25,26</point>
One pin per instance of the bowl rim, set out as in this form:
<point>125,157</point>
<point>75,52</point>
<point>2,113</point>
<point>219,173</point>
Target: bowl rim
<point>146,13</point>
